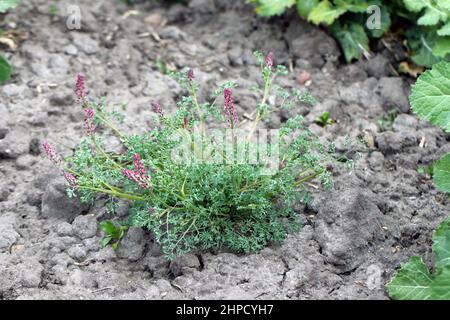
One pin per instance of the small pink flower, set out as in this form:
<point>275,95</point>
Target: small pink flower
<point>269,60</point>
<point>151,210</point>
<point>70,178</point>
<point>138,165</point>
<point>138,175</point>
<point>157,107</point>
<point>51,153</point>
<point>190,75</point>
<point>229,108</point>
<point>186,122</point>
<point>80,88</point>
<point>89,125</point>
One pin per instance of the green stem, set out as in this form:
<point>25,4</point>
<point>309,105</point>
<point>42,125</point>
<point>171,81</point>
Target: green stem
<point>114,193</point>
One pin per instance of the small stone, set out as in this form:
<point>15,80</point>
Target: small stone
<point>154,19</point>
<point>132,246</point>
<point>8,236</point>
<point>64,229</point>
<point>378,67</point>
<point>71,50</point>
<point>85,43</point>
<point>85,226</point>
<point>77,252</point>
<point>25,162</point>
<point>31,273</point>
<point>56,203</point>
<point>393,92</point>
<point>303,77</point>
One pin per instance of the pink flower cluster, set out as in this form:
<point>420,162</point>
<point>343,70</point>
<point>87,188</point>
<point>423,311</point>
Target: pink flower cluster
<point>190,75</point>
<point>54,157</point>
<point>70,178</point>
<point>51,153</point>
<point>269,60</point>
<point>229,108</point>
<point>89,125</point>
<point>157,107</point>
<point>139,174</point>
<point>80,89</point>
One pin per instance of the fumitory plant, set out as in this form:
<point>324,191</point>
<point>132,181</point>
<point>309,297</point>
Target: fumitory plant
<point>184,181</point>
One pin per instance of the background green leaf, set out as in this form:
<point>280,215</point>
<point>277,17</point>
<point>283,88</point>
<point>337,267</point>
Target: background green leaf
<point>325,12</point>
<point>412,282</point>
<point>8,4</point>
<point>430,96</point>
<point>352,39</point>
<point>267,8</point>
<point>441,174</point>
<point>441,244</point>
<point>5,70</point>
<point>305,7</point>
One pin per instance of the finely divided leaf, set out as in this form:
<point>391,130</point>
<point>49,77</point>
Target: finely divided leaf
<point>412,282</point>
<point>430,97</point>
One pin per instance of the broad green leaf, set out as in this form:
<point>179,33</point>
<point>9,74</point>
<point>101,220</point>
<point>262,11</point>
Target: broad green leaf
<point>441,240</point>
<point>352,38</point>
<point>440,287</point>
<point>412,281</point>
<point>355,6</point>
<point>445,30</point>
<point>304,7</point>
<point>430,96</point>
<point>416,5</point>
<point>430,18</point>
<point>105,241</point>
<point>5,70</point>
<point>108,227</point>
<point>421,41</point>
<point>441,174</point>
<point>444,4</point>
<point>7,4</point>
<point>325,13</point>
<point>442,47</point>
<point>267,8</point>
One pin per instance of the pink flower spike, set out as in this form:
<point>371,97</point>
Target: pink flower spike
<point>269,60</point>
<point>229,108</point>
<point>51,153</point>
<point>89,121</point>
<point>190,75</point>
<point>80,88</point>
<point>70,179</point>
<point>138,165</point>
